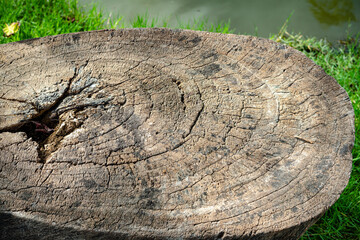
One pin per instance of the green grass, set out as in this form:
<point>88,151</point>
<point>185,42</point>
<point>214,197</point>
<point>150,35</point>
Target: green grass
<point>40,18</point>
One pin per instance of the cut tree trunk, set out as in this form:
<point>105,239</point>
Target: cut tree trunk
<point>167,134</point>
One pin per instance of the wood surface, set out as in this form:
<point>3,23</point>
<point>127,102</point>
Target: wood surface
<point>167,134</point>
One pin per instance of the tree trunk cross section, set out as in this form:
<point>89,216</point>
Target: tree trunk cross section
<point>167,134</point>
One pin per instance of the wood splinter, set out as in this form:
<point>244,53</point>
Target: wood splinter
<point>305,140</point>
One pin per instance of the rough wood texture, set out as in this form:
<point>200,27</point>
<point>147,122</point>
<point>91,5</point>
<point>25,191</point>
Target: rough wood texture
<point>167,134</point>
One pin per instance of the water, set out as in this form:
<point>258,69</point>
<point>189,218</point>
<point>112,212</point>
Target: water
<point>328,19</point>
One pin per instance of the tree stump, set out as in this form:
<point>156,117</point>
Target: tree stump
<point>167,134</point>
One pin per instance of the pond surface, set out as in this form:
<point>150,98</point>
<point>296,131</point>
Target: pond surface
<point>320,18</point>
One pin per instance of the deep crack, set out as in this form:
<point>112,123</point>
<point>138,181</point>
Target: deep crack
<point>45,127</point>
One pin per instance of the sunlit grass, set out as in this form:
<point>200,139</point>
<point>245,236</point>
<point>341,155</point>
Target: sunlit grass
<point>40,18</point>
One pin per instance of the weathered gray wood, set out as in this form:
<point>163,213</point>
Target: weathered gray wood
<point>167,134</point>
